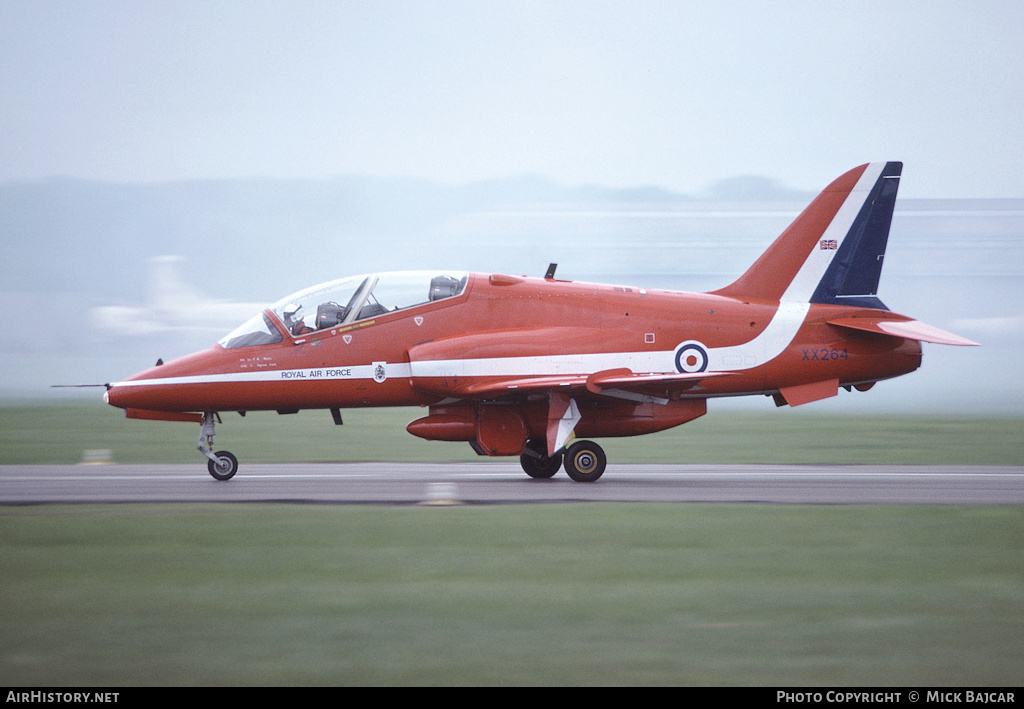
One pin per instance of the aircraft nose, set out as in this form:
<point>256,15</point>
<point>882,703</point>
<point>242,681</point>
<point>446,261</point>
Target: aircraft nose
<point>170,386</point>
<point>129,393</point>
<point>119,396</point>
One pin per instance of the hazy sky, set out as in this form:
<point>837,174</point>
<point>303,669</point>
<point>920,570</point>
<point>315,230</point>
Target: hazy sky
<point>677,94</point>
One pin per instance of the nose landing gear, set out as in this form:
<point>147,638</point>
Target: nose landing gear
<point>222,464</point>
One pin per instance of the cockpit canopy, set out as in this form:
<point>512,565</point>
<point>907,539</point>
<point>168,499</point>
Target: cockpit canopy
<point>345,301</point>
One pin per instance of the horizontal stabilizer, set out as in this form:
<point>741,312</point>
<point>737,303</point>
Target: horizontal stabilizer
<point>909,329</point>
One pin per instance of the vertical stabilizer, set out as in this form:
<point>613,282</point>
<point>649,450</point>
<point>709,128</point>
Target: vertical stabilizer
<point>833,251</point>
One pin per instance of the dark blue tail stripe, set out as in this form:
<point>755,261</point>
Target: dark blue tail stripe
<point>852,277</point>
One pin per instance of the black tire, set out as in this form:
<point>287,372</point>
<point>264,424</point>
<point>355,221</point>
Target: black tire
<point>585,461</point>
<point>225,467</point>
<point>536,464</point>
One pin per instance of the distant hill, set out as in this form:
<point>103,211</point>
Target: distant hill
<point>75,235</point>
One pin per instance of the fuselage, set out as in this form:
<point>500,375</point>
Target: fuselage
<point>531,366</point>
<point>499,327</point>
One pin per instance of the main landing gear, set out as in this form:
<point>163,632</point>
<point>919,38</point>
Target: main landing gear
<point>584,461</point>
<point>536,463</point>
<point>222,464</point>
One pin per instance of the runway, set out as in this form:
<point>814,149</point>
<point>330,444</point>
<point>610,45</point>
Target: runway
<point>505,483</point>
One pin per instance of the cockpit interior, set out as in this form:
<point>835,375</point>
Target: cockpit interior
<point>344,301</point>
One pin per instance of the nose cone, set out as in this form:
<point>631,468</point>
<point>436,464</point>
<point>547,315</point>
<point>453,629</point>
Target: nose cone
<point>162,387</point>
<point>124,394</point>
<point>128,393</point>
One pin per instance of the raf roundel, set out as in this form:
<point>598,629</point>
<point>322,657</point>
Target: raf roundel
<point>691,357</point>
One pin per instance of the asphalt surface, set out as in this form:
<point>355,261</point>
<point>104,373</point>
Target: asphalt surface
<point>505,483</point>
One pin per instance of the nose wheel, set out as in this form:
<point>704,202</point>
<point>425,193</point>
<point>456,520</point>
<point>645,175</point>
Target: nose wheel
<point>222,464</point>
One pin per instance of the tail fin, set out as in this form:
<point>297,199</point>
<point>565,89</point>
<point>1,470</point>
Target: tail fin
<point>833,251</point>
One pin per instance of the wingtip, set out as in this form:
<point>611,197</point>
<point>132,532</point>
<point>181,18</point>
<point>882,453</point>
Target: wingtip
<point>923,332</point>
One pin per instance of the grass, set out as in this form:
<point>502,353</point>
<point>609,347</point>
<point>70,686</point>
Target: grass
<point>584,594</point>
<point>32,434</point>
<point>587,594</point>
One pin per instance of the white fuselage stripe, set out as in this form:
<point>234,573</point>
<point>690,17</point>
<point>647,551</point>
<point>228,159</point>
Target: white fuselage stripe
<point>332,373</point>
<point>766,346</point>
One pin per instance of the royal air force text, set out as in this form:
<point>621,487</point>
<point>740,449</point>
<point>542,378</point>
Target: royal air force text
<point>343,373</point>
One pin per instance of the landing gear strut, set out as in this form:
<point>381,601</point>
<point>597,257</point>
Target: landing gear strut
<point>222,464</point>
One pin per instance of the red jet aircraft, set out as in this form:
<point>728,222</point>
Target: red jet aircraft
<point>526,367</point>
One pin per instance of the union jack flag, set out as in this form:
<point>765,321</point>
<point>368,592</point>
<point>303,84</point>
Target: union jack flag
<point>829,245</point>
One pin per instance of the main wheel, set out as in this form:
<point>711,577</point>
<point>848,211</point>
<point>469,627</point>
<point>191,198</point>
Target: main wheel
<point>225,467</point>
<point>585,461</point>
<point>536,464</point>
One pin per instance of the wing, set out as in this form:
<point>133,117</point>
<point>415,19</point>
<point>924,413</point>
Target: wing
<point>561,366</point>
<point>523,362</point>
<point>620,383</point>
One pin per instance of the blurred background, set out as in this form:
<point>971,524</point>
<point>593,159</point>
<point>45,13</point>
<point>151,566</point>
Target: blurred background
<point>166,168</point>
